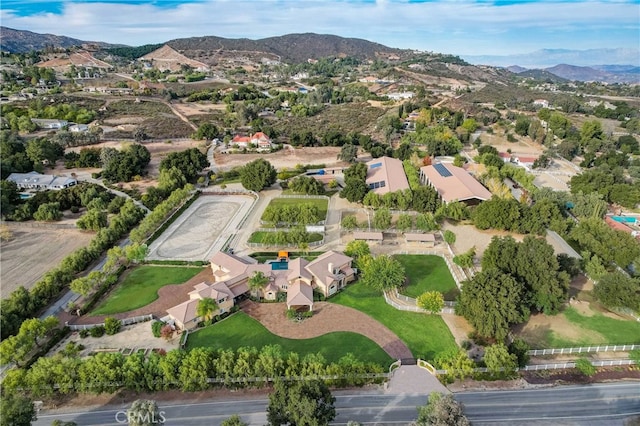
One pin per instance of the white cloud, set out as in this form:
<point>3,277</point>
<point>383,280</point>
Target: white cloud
<point>460,26</point>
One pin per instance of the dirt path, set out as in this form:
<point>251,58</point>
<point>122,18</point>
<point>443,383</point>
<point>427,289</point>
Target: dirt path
<point>327,318</point>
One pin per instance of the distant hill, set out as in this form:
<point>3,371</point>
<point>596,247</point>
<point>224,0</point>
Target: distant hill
<point>291,47</point>
<point>563,72</point>
<point>543,75</point>
<point>166,58</point>
<point>20,41</point>
<point>550,57</point>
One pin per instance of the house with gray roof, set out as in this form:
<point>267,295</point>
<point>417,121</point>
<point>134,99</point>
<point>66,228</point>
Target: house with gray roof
<point>40,182</point>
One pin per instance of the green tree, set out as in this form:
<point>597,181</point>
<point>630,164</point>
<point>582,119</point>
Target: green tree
<point>145,412</point>
<point>449,237</point>
<point>111,326</point>
<point>520,349</point>
<point>348,153</point>
<point>301,403</point>
<point>17,410</point>
<point>349,222</point>
<point>234,420</point>
<point>92,220</point>
<point>257,282</point>
<point>456,362</point>
<point>431,301</point>
<point>48,212</point>
<point>10,197</point>
<point>206,131</point>
<point>206,307</point>
<point>441,410</point>
<point>404,223</point>
<point>425,199</point>
<point>465,260</point>
<point>499,361</point>
<point>382,219</point>
<point>357,249</point>
<point>492,301</point>
<point>618,290</point>
<point>257,175</point>
<point>382,273</point>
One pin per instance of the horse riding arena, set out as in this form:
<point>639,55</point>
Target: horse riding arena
<point>203,228</point>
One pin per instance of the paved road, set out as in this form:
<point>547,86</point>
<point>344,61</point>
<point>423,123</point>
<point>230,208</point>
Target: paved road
<point>602,404</point>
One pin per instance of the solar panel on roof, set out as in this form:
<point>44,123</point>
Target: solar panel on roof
<point>442,170</point>
<point>374,165</point>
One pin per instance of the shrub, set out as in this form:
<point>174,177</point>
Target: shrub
<point>111,326</point>
<point>156,328</point>
<point>584,366</point>
<point>97,331</point>
<point>83,333</point>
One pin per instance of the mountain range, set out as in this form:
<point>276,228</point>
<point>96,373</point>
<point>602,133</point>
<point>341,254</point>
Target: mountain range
<point>620,65</point>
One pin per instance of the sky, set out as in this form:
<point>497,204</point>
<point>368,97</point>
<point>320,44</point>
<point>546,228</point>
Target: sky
<point>459,27</point>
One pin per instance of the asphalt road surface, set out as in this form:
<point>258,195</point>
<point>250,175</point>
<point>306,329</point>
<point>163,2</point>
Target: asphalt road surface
<point>601,404</point>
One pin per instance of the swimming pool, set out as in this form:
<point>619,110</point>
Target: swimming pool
<point>278,265</point>
<point>625,219</point>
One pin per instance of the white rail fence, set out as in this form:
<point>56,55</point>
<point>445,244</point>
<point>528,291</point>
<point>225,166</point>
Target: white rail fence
<point>583,350</point>
<point>557,366</point>
<point>124,322</point>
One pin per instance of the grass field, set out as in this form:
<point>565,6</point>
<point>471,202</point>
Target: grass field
<point>262,237</point>
<point>321,203</point>
<point>425,335</point>
<point>596,329</point>
<point>140,287</point>
<point>241,330</point>
<point>427,273</point>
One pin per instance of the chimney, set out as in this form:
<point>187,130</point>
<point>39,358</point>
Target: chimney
<point>330,267</point>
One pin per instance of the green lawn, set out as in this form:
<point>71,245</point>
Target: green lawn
<point>140,287</point>
<point>321,203</point>
<point>427,273</point>
<point>241,330</point>
<point>259,237</point>
<point>598,329</point>
<point>425,335</point>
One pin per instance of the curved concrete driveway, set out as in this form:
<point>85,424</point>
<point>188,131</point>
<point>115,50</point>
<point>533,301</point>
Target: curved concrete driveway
<point>327,318</point>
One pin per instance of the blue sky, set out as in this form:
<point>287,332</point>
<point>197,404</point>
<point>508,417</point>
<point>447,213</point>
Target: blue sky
<point>461,27</point>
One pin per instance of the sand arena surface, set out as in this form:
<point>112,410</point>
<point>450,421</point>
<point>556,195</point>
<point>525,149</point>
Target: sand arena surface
<point>202,229</point>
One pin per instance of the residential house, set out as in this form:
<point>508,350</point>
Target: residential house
<point>297,278</point>
<point>454,183</point>
<point>37,181</point>
<point>259,140</point>
<point>79,128</point>
<point>520,160</point>
<point>44,123</point>
<point>386,174</point>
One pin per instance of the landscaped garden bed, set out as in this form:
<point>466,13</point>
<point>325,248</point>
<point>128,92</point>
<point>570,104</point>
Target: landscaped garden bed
<point>280,238</point>
<point>293,205</point>
<point>140,286</point>
<point>427,273</point>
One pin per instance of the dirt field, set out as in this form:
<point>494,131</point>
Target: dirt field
<point>468,236</point>
<point>34,251</point>
<point>158,151</point>
<point>523,146</point>
<point>193,108</point>
<point>286,158</point>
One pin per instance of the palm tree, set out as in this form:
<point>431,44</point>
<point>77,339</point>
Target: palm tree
<point>206,307</point>
<point>257,282</point>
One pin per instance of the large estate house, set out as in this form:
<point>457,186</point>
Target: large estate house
<point>298,278</point>
<point>38,181</point>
